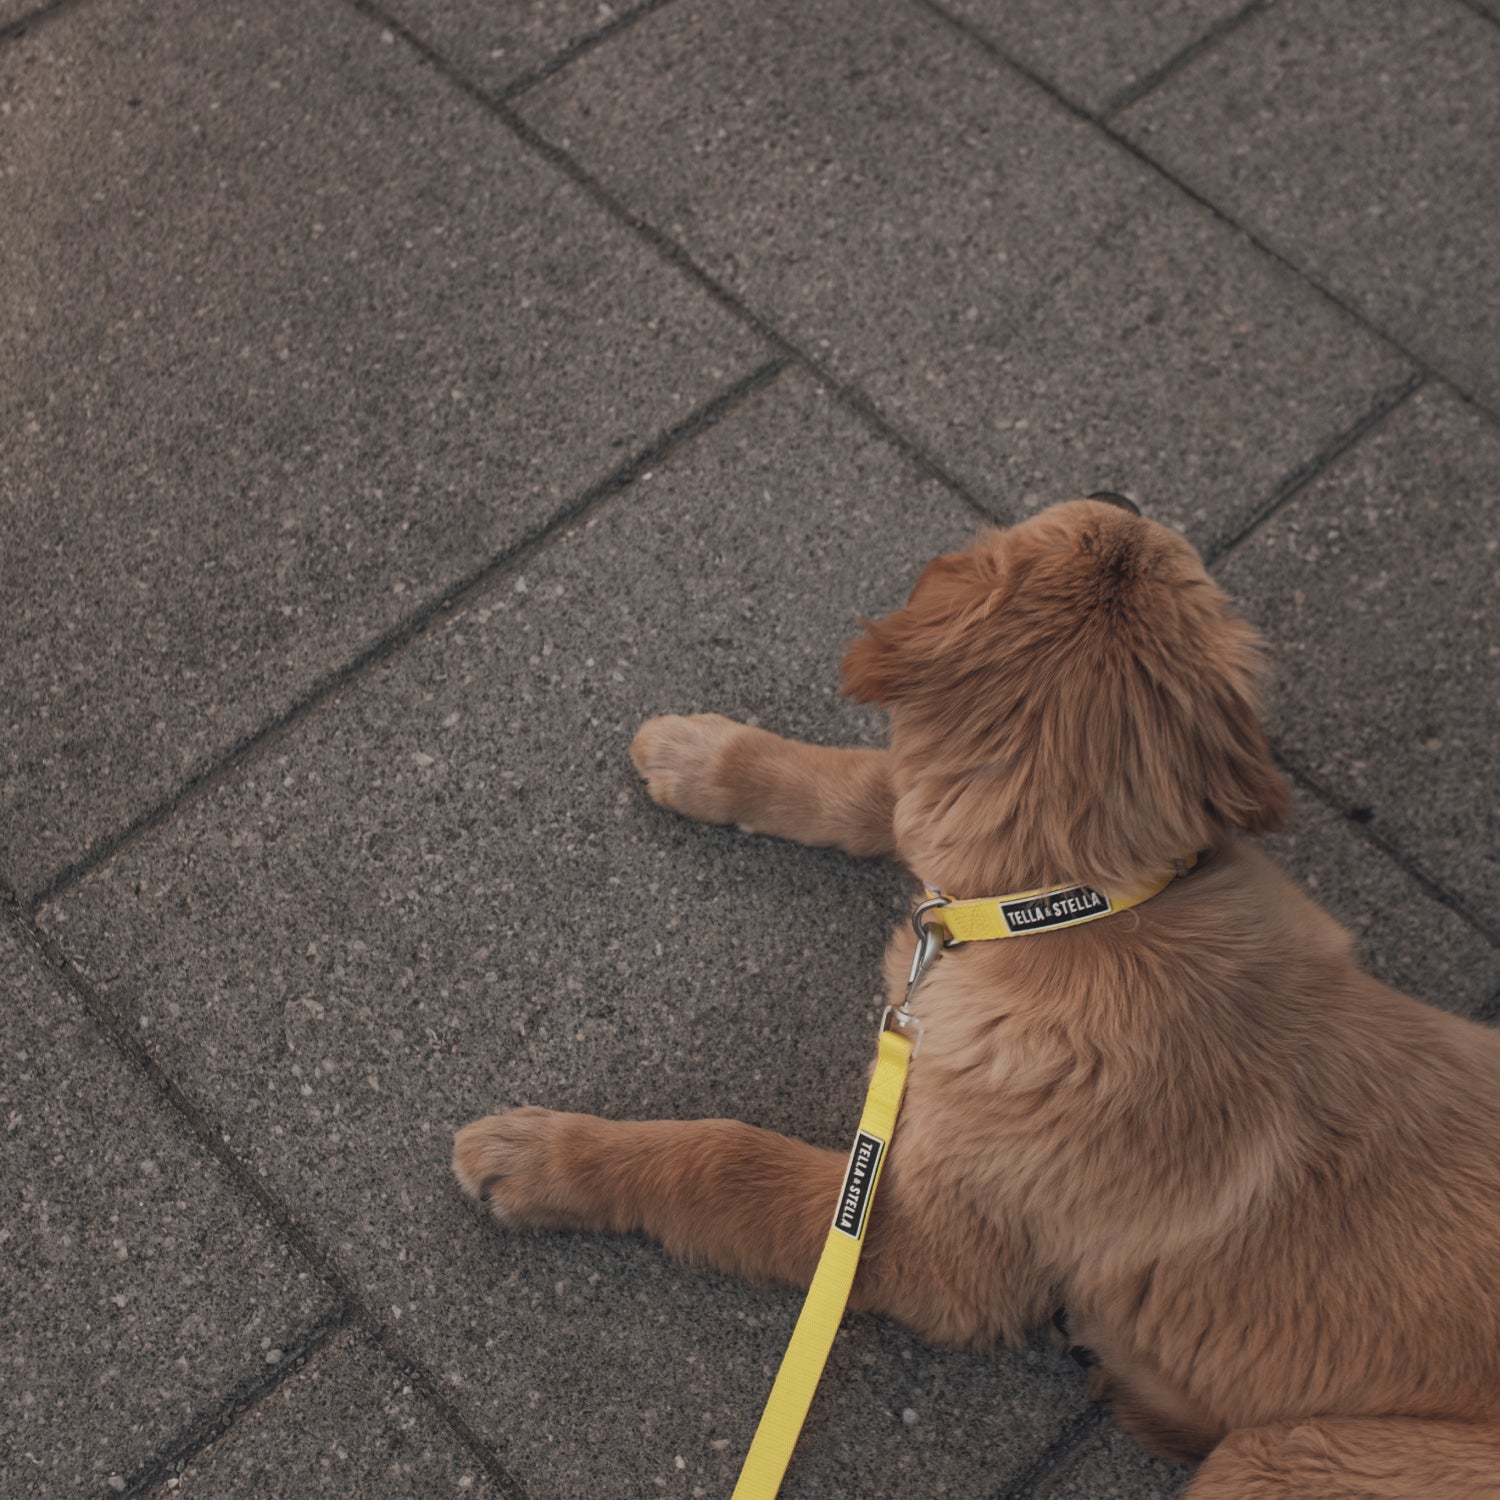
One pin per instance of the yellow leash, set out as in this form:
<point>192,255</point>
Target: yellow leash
<point>940,922</point>
<point>802,1365</point>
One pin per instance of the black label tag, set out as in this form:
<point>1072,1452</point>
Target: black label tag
<point>854,1199</point>
<point>1054,908</point>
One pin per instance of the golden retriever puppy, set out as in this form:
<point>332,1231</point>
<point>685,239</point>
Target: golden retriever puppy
<point>1265,1187</point>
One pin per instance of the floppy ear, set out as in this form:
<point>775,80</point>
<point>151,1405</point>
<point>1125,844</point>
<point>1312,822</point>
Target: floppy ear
<point>871,669</point>
<point>1196,716</point>
<point>899,655</point>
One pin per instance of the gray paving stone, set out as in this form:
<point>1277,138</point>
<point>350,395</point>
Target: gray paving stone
<point>500,46</point>
<point>17,10</point>
<point>347,1422</point>
<point>136,1291</point>
<point>1042,311</point>
<point>1405,936</point>
<point>1377,587</point>
<point>1109,1466</point>
<point>1094,50</point>
<point>445,893</point>
<point>296,334</point>
<point>1359,138</point>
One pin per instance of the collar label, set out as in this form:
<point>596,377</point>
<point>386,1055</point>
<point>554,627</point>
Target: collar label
<point>854,1199</point>
<point>1055,908</point>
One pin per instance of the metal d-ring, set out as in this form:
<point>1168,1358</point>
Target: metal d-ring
<point>929,944</point>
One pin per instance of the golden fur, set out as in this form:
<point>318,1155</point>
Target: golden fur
<point>1265,1186</point>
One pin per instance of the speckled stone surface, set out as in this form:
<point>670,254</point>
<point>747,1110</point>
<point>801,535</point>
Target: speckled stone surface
<point>1404,934</point>
<point>1043,312</point>
<point>297,336</point>
<point>502,47</point>
<point>451,895</point>
<point>1359,137</point>
<point>299,331</point>
<point>18,10</point>
<point>1109,1466</point>
<point>1098,50</point>
<point>1377,588</point>
<point>348,1423</point>
<point>137,1293</point>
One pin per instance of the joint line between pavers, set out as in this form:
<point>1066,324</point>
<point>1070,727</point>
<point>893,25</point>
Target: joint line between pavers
<point>677,257</point>
<point>116,1027</point>
<point>199,1438</point>
<point>1078,1430</point>
<point>1417,361</point>
<point>349,1305</point>
<point>1319,464</point>
<point>575,49</point>
<point>854,399</point>
<point>12,30</point>
<point>1100,124</point>
<point>1481,12</point>
<point>1133,92</point>
<point>392,641</point>
<point>421,1377</point>
<point>1403,861</point>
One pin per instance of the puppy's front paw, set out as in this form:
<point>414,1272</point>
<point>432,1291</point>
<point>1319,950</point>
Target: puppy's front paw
<point>517,1164</point>
<point>681,758</point>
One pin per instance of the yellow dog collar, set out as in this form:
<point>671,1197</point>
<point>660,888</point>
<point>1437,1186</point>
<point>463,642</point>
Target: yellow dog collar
<point>1044,910</point>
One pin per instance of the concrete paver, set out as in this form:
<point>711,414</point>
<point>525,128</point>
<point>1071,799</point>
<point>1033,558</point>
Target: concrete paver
<point>449,894</point>
<point>136,1293</point>
<point>298,336</point>
<point>1377,588</point>
<point>17,10</point>
<point>499,47</point>
<point>1403,934</point>
<point>1096,50</point>
<point>1359,138</point>
<point>1043,312</point>
<point>1109,1466</point>
<point>300,333</point>
<point>348,1422</point>
<point>451,876</point>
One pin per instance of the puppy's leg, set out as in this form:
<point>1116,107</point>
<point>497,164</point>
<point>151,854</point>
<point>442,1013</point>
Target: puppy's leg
<point>717,1192</point>
<point>713,769</point>
<point>1353,1458</point>
<point>747,1202</point>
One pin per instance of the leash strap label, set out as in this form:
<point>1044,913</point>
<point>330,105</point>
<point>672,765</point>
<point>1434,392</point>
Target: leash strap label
<point>802,1365</point>
<point>1021,913</point>
<point>854,1200</point>
<point>1055,908</point>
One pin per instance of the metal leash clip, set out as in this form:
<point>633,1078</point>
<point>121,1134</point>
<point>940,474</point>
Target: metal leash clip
<point>930,945</point>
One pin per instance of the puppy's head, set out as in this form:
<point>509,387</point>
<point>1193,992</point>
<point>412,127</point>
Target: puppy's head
<point>1076,688</point>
